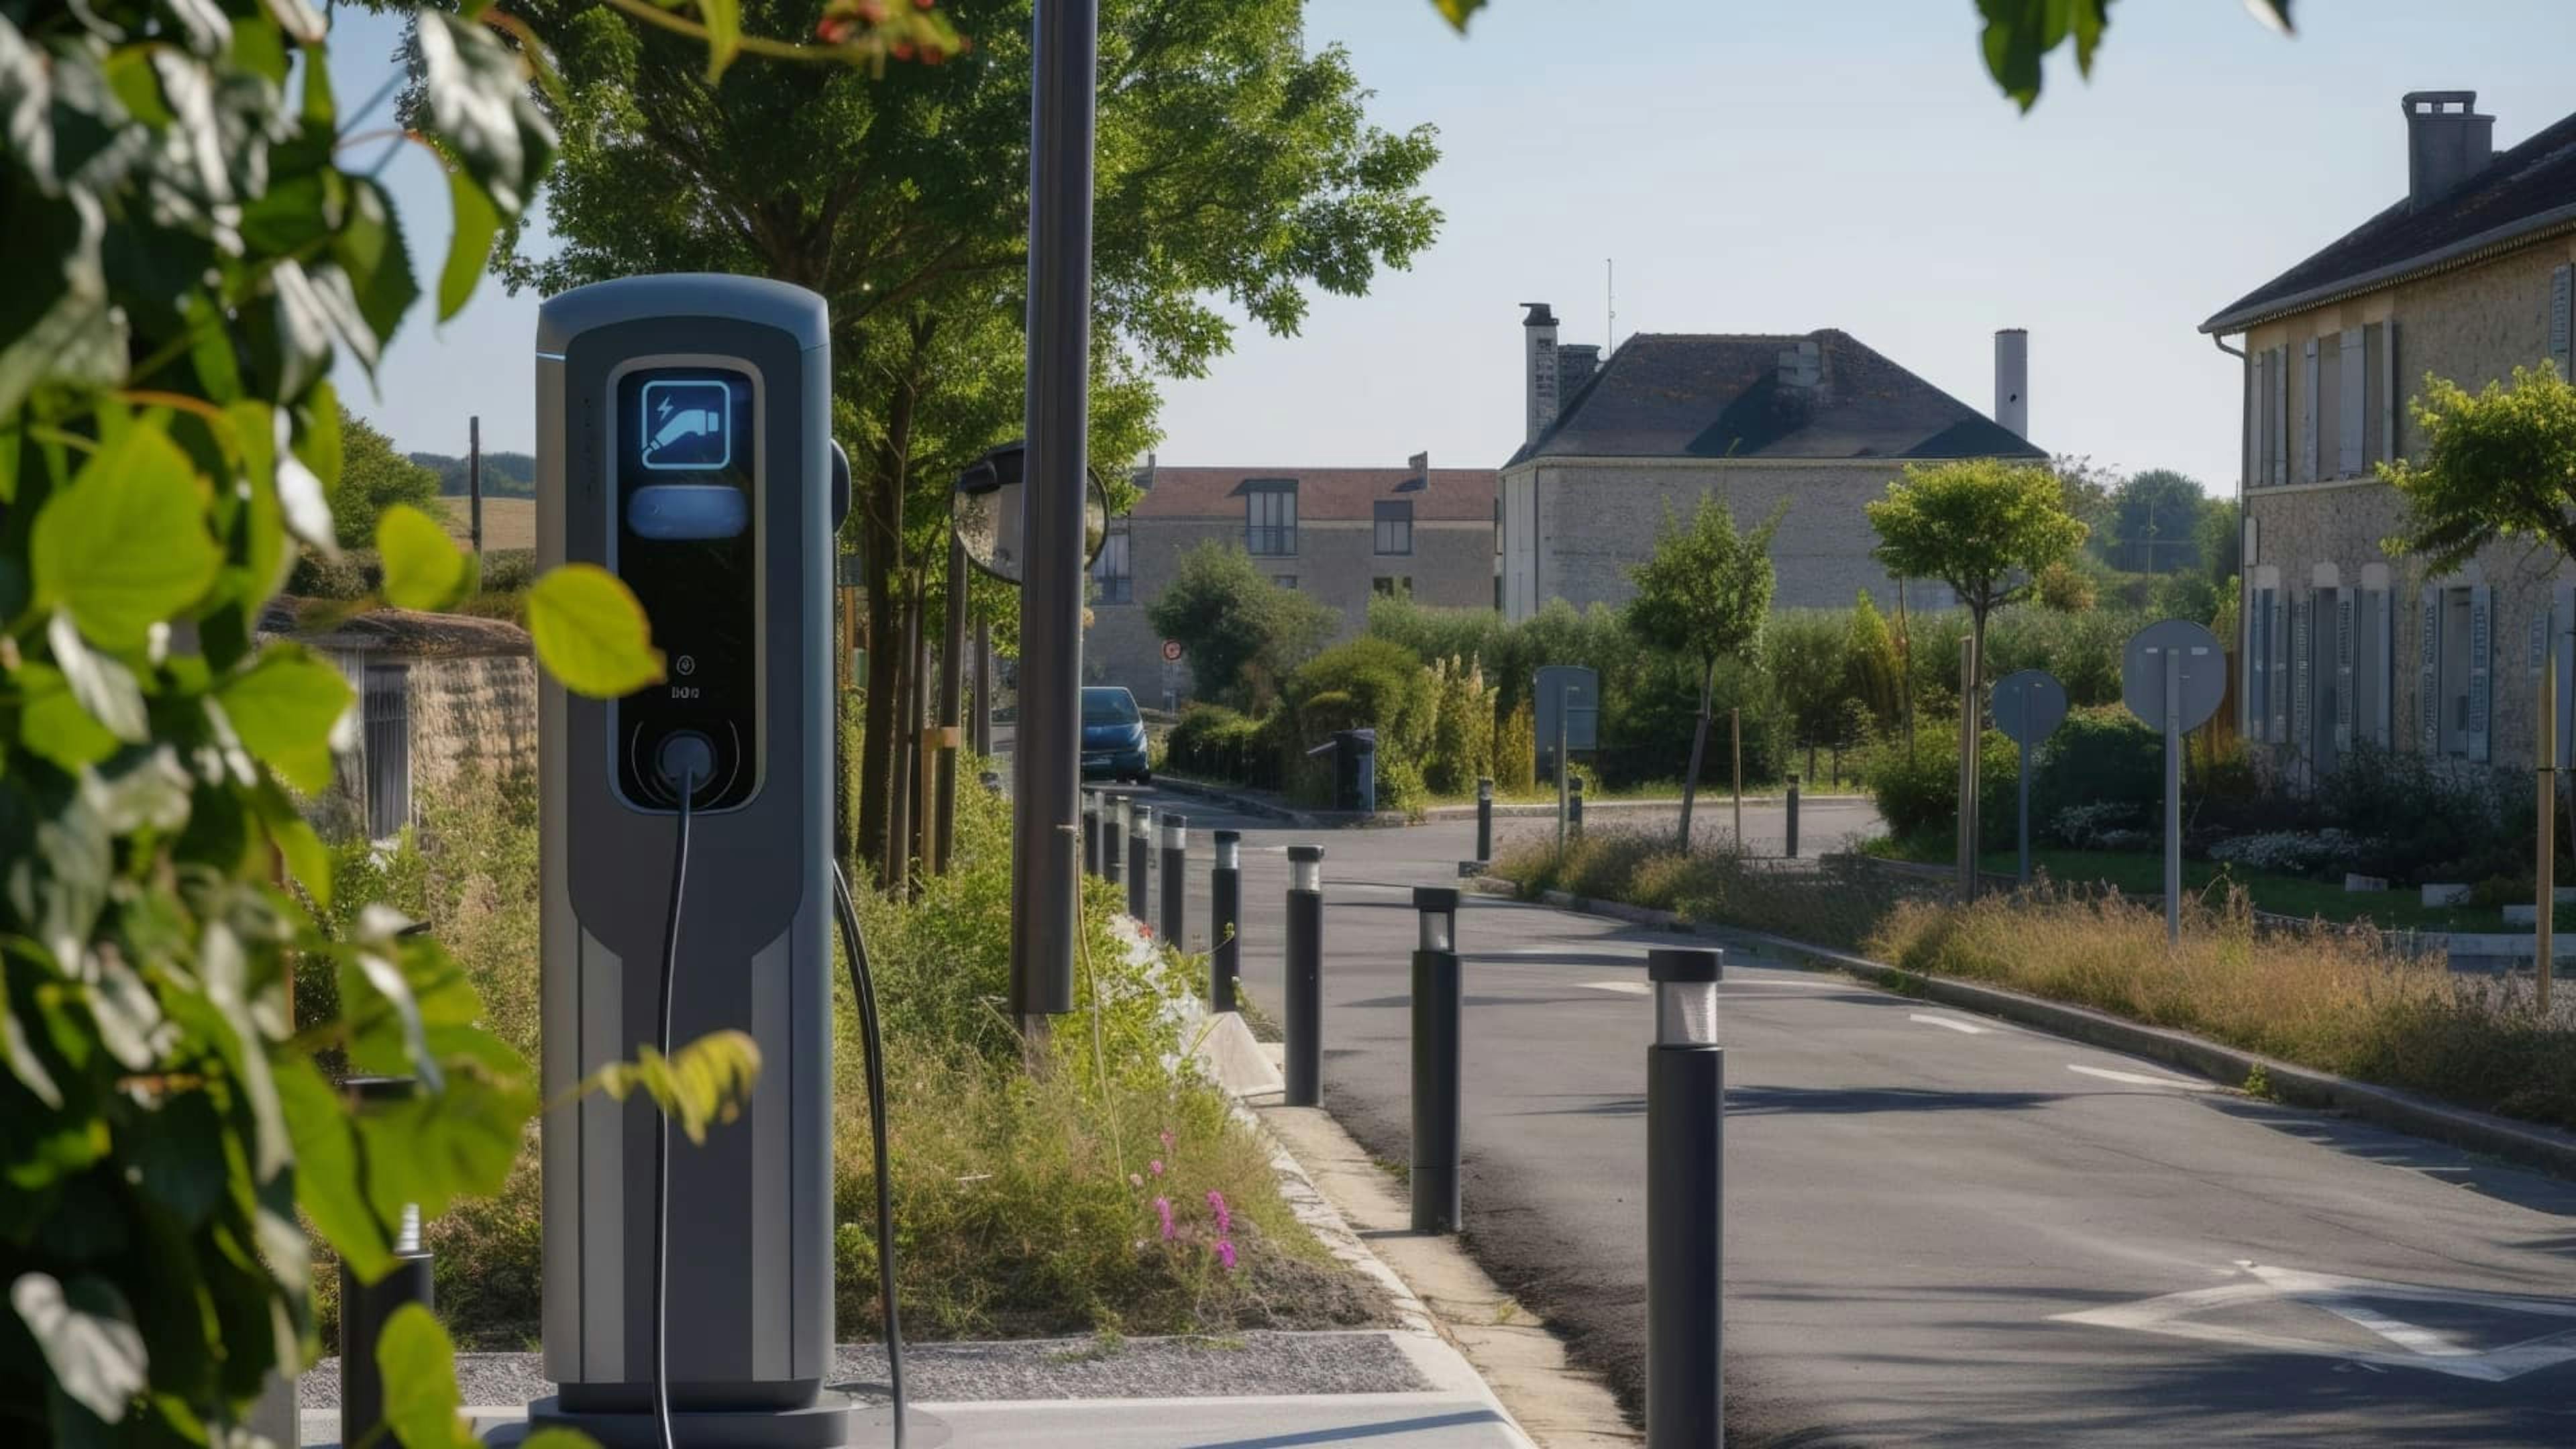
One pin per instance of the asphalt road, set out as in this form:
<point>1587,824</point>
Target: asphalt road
<point>1918,1199</point>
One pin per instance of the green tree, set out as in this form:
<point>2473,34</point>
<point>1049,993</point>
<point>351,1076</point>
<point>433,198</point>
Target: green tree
<point>1242,634</point>
<point>1875,667</point>
<point>373,477</point>
<point>2154,523</point>
<point>2496,464</point>
<point>1987,528</point>
<point>1235,169</point>
<point>1704,594</point>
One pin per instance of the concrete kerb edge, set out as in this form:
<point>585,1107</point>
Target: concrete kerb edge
<point>2529,1144</point>
<point>1243,1067</point>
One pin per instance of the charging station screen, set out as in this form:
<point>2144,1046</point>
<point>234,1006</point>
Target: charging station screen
<point>686,496</point>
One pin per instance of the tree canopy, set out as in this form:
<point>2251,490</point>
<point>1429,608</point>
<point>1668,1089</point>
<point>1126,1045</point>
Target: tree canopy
<point>373,478</point>
<point>2153,524</point>
<point>1241,633</point>
<point>2496,464</point>
<point>1704,594</point>
<point>1985,527</point>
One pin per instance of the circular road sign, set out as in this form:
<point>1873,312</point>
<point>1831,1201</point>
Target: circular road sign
<point>1171,651</point>
<point>2173,644</point>
<point>2029,705</point>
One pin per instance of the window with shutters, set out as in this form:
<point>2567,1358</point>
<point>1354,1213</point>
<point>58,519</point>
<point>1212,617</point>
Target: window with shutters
<point>2276,413</point>
<point>2303,615</point>
<point>1394,526</point>
<point>1270,517</point>
<point>2458,646</point>
<point>1111,571</point>
<point>2352,404</point>
<point>387,716</point>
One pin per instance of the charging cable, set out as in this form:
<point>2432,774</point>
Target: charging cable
<point>871,1036</point>
<point>688,785</point>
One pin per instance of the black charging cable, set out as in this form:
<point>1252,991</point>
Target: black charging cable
<point>871,1037</point>
<point>688,785</point>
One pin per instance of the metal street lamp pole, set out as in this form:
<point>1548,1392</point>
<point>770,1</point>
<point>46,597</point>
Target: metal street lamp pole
<point>1047,756</point>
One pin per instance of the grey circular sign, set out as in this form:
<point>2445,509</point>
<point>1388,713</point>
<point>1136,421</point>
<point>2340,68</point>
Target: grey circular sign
<point>2177,644</point>
<point>2029,705</point>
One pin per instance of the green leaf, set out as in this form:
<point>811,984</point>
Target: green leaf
<point>88,1337</point>
<point>308,860</point>
<point>724,34</point>
<point>418,1368</point>
<point>125,546</point>
<point>328,1184</point>
<point>285,709</point>
<point>106,689</point>
<point>1457,11</point>
<point>424,569</point>
<point>53,723</point>
<point>476,223</point>
<point>480,109</point>
<point>700,1085</point>
<point>370,250</point>
<point>141,790</point>
<point>591,632</point>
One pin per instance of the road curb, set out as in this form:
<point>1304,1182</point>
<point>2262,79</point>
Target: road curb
<point>1248,804</point>
<point>2530,1144</point>
<point>1591,807</point>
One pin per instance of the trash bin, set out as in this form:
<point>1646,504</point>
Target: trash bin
<point>1354,755</point>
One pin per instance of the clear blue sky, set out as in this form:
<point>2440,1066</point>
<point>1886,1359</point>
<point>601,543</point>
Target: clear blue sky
<point>1762,166</point>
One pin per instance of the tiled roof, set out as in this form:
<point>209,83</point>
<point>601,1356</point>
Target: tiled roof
<point>2523,193</point>
<point>1696,395</point>
<point>1322,493</point>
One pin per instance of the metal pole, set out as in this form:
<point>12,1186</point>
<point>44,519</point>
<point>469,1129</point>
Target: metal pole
<point>1793,816</point>
<point>2022,827</point>
<point>364,1307</point>
<point>984,687</point>
<point>474,483</point>
<point>1967,777</point>
<point>2545,874</point>
<point>2173,797</point>
<point>952,704</point>
<point>1437,1032</point>
<point>1090,831</point>
<point>1047,753</point>
<point>1484,820</point>
<point>1140,858</point>
<point>1561,691</point>
<point>1225,917</point>
<point>1304,1007</point>
<point>1685,1204</point>
<point>1176,876</point>
<point>1735,743</point>
<point>1113,849</point>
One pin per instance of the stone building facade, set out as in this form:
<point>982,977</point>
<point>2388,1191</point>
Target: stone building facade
<point>1817,424</point>
<point>1343,535</point>
<point>2340,642</point>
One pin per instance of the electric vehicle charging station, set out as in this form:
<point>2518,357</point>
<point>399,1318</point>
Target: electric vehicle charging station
<point>683,444</point>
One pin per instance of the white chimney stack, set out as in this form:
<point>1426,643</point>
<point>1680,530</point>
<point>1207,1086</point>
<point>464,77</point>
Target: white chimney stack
<point>2012,380</point>
<point>1538,367</point>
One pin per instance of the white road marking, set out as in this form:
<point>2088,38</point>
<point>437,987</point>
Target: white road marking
<point>1969,1027</point>
<point>1628,988</point>
<point>2141,1079</point>
<point>2188,1315</point>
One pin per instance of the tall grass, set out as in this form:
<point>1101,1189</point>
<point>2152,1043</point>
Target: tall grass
<point>1834,902</point>
<point>1027,1199</point>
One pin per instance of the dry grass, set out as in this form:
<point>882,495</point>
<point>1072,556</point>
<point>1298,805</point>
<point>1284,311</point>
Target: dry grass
<point>507,522</point>
<point>2335,1001</point>
<point>1834,902</point>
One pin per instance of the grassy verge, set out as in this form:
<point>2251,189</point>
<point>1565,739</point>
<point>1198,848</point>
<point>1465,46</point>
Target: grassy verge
<point>2143,874</point>
<point>2335,1002</point>
<point>1111,1190</point>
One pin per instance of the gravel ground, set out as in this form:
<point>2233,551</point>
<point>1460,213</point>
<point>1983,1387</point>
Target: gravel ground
<point>1044,1368</point>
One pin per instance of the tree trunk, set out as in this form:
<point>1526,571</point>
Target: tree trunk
<point>1699,748</point>
<point>880,521</point>
<point>1972,734</point>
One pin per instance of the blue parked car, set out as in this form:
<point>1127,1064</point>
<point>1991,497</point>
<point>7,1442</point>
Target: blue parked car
<point>1113,735</point>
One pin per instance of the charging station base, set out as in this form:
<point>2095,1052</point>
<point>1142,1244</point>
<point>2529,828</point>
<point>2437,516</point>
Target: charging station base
<point>830,1422</point>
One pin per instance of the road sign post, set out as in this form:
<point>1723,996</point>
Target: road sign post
<point>2173,675</point>
<point>2029,704</point>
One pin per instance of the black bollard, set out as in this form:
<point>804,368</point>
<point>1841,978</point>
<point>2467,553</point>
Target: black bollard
<point>1437,1026</point>
<point>1305,984</point>
<point>1793,817</point>
<point>1685,1230</point>
<point>1225,915</point>
<point>1574,808</point>
<point>1176,876</point>
<point>364,1307</point>
<point>1113,824</point>
<point>1140,860</point>
<point>1484,820</point>
<point>1090,831</point>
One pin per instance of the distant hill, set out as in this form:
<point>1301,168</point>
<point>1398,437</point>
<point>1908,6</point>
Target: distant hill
<point>505,475</point>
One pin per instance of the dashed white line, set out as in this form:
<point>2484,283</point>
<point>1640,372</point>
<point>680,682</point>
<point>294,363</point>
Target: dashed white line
<point>1625,988</point>
<point>2141,1079</point>
<point>1970,1028</point>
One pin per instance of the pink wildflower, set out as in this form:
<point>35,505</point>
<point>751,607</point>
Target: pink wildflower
<point>1155,1167</point>
<point>1163,1209</point>
<point>1167,1139</point>
<point>1225,1253</point>
<point>1216,1207</point>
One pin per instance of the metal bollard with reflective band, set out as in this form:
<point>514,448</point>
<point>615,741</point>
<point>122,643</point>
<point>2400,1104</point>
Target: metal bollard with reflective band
<point>1437,1027</point>
<point>1225,916</point>
<point>1685,1204</point>
<point>1176,876</point>
<point>1304,1007</point>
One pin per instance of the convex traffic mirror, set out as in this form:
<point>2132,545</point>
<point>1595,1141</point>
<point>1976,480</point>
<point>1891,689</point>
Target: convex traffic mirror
<point>986,512</point>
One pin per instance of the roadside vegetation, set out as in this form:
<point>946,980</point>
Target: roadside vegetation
<point>1028,1202</point>
<point>2338,1001</point>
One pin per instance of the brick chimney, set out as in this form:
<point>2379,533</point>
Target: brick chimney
<point>1538,367</point>
<point>2447,142</point>
<point>2012,380</point>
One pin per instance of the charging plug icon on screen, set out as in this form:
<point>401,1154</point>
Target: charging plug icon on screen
<point>688,424</point>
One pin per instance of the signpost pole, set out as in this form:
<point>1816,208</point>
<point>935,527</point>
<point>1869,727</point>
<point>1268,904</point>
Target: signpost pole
<point>2024,823</point>
<point>1735,743</point>
<point>2545,899</point>
<point>2173,796</point>
<point>1561,803</point>
<point>1967,774</point>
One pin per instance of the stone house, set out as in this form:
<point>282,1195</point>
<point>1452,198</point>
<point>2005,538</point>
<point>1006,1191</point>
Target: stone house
<point>2465,277</point>
<point>439,696</point>
<point>1818,421</point>
<point>1343,535</point>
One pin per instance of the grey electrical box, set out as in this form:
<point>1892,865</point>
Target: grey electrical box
<point>683,444</point>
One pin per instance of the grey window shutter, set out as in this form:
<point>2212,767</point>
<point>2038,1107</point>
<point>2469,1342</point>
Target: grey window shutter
<point>2383,631</point>
<point>2392,403</point>
<point>2308,414</point>
<point>2350,375</point>
<point>2343,670</point>
<point>2303,627</point>
<point>2562,296</point>
<point>2280,424</point>
<point>2481,652</point>
<point>2278,692</point>
<point>2429,671</point>
<point>2258,448</point>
